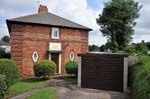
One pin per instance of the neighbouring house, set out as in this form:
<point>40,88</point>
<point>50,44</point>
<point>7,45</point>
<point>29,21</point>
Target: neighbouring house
<point>45,36</point>
<point>4,46</point>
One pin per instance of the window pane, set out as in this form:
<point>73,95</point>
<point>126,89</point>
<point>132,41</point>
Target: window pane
<point>55,34</point>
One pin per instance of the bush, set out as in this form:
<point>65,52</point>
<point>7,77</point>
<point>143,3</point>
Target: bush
<point>71,67</point>
<point>3,86</point>
<point>44,68</point>
<point>10,70</point>
<point>140,78</point>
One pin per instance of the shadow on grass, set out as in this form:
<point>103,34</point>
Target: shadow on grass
<point>34,80</point>
<point>70,79</point>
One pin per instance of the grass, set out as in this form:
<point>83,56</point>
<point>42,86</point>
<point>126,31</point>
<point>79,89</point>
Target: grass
<point>25,85</point>
<point>72,80</point>
<point>47,93</point>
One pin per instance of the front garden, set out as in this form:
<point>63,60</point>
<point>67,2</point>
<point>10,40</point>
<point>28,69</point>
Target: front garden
<point>11,84</point>
<point>25,85</point>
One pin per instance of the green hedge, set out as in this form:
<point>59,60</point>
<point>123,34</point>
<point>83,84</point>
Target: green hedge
<point>3,86</point>
<point>10,70</point>
<point>140,78</point>
<point>71,67</point>
<point>9,75</point>
<point>44,68</point>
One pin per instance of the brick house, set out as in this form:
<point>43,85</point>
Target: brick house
<point>45,36</point>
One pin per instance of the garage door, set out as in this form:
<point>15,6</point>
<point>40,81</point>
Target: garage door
<point>102,71</point>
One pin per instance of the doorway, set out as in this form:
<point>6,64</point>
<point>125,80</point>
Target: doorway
<point>55,58</point>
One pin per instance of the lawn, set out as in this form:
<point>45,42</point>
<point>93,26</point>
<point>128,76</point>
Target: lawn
<point>25,85</point>
<point>47,93</point>
<point>72,80</point>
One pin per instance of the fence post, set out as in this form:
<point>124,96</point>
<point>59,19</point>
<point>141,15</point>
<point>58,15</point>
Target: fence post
<point>79,71</point>
<point>125,74</point>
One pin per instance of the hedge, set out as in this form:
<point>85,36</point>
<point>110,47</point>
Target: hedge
<point>3,86</point>
<point>140,78</point>
<point>10,70</point>
<point>44,68</point>
<point>9,75</point>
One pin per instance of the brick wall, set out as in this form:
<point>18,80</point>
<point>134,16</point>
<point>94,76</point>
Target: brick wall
<point>17,45</point>
<point>28,38</point>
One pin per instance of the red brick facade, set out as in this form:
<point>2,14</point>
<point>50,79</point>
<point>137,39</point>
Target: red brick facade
<point>27,38</point>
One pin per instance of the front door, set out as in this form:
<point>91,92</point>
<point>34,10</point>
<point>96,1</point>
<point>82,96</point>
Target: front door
<point>55,58</point>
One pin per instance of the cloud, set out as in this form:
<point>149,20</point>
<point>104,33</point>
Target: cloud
<point>76,10</point>
<point>3,30</point>
<point>142,29</point>
<point>95,37</point>
<point>14,8</point>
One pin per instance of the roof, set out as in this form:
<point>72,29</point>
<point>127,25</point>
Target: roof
<point>4,43</point>
<point>47,19</point>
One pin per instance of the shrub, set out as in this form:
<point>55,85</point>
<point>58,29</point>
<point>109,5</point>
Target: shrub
<point>44,68</point>
<point>71,67</point>
<point>140,78</point>
<point>10,70</point>
<point>3,86</point>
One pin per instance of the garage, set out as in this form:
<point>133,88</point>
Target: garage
<point>104,71</point>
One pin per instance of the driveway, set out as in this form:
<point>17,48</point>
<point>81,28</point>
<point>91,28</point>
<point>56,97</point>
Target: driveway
<point>69,91</point>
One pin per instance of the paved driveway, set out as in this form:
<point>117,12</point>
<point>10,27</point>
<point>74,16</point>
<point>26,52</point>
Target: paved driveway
<point>67,91</point>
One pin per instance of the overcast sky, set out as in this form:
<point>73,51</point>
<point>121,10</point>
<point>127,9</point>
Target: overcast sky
<point>84,12</point>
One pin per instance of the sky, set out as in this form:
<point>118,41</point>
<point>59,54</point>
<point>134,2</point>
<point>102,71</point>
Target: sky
<point>83,12</point>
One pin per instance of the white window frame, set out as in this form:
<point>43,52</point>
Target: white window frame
<point>35,59</point>
<point>72,53</point>
<point>53,33</point>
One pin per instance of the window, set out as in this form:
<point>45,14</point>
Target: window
<point>71,55</point>
<point>35,56</point>
<point>55,33</point>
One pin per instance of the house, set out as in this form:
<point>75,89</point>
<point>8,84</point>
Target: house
<point>45,36</point>
<point>4,46</point>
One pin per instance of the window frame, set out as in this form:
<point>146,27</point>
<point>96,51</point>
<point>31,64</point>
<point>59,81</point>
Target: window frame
<point>53,32</point>
<point>72,53</point>
<point>33,56</point>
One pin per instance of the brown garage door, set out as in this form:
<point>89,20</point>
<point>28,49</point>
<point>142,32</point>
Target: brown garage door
<point>102,71</point>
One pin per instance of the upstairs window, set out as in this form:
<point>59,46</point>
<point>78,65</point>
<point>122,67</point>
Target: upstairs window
<point>55,33</point>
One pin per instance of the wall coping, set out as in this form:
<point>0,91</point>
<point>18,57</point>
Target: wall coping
<point>102,54</point>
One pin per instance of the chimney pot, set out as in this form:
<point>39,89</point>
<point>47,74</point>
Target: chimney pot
<point>42,9</point>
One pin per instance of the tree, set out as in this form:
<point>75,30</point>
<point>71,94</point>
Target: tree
<point>6,39</point>
<point>117,21</point>
<point>93,48</point>
<point>141,48</point>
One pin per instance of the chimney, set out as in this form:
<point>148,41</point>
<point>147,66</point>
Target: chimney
<point>42,9</point>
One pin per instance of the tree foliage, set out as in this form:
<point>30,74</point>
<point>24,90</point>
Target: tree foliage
<point>6,39</point>
<point>117,21</point>
<point>93,48</point>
